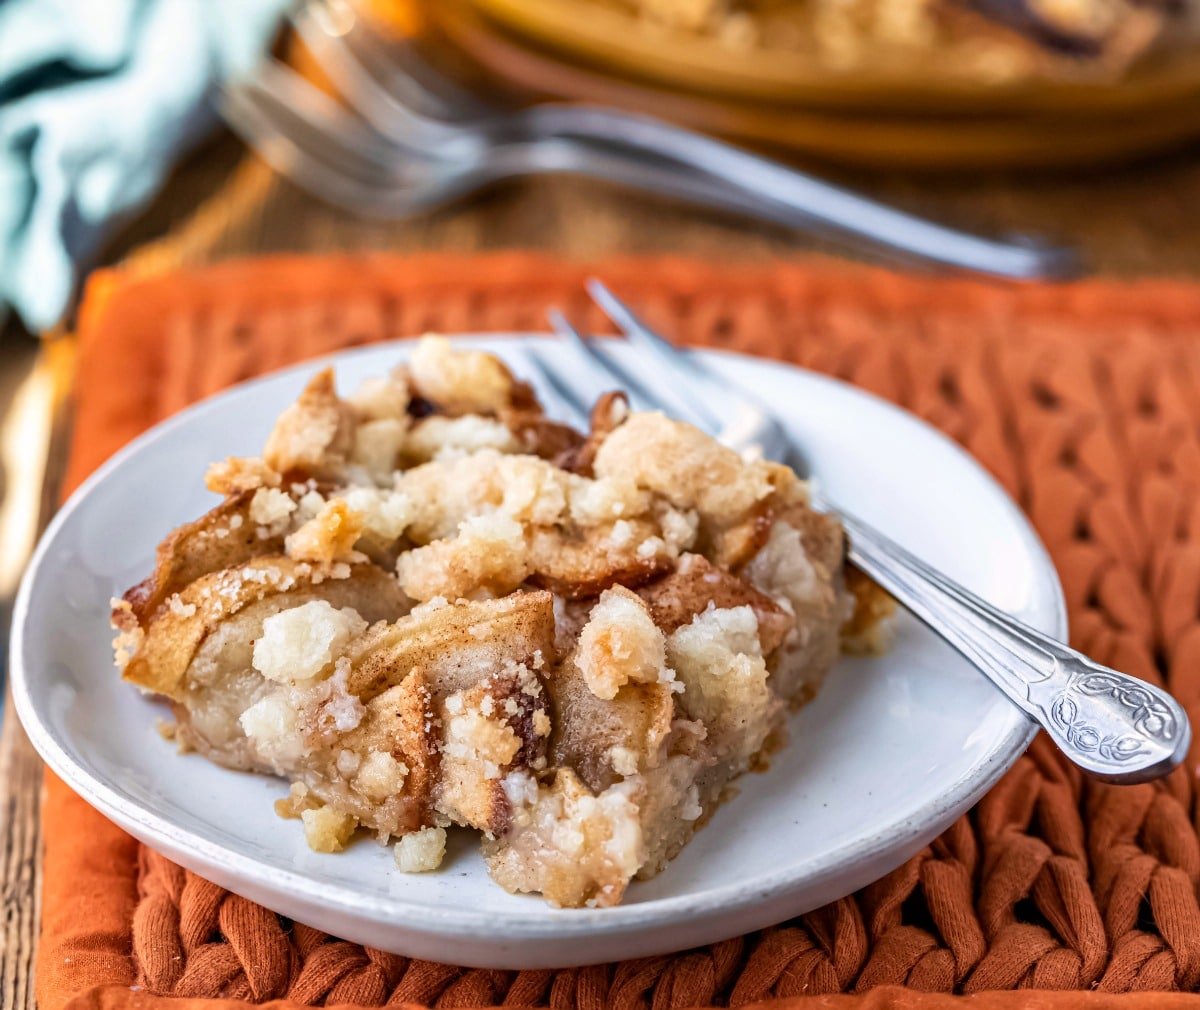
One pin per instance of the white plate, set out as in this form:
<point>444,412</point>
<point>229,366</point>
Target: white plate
<point>890,753</point>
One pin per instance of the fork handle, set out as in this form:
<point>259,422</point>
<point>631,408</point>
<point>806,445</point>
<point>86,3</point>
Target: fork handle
<point>820,202</point>
<point>1112,725</point>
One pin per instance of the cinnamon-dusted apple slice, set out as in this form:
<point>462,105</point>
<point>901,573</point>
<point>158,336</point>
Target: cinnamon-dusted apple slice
<point>390,760</point>
<point>696,583</point>
<point>224,537</point>
<point>456,645</point>
<point>579,562</point>
<point>182,628</point>
<point>604,740</point>
<point>613,694</point>
<point>534,433</point>
<point>608,412</point>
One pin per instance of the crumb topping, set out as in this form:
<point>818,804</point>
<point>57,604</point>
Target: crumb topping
<point>314,434</point>
<point>327,830</point>
<point>621,644</point>
<point>437,437</point>
<point>272,508</point>
<point>236,474</point>
<point>428,606</point>
<point>302,642</point>
<point>382,397</point>
<point>686,467</point>
<point>329,536</point>
<point>462,382</point>
<point>420,851</point>
<point>384,513</point>
<point>379,775</point>
<point>378,445</point>
<point>487,557</point>
<point>473,734</point>
<point>273,725</point>
<point>718,658</point>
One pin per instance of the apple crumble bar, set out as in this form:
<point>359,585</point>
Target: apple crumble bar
<point>428,605</point>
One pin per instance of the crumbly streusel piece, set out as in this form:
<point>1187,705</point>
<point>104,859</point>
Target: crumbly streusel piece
<point>487,556</point>
<point>421,851</point>
<point>462,382</point>
<point>315,434</point>
<point>621,644</point>
<point>718,660</point>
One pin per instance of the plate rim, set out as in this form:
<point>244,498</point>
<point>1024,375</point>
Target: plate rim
<point>542,922</point>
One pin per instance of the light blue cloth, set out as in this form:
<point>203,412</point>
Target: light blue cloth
<point>98,99</point>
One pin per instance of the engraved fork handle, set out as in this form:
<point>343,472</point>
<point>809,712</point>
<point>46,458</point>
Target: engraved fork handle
<point>1112,725</point>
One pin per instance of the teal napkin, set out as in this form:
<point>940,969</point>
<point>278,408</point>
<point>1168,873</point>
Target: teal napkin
<point>98,99</point>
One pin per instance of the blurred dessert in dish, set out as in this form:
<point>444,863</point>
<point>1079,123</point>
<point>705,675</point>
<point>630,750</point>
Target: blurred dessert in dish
<point>992,40</point>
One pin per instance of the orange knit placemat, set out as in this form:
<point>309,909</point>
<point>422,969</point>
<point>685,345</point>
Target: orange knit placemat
<point>1083,400</point>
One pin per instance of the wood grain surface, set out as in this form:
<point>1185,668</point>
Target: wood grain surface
<point>1132,221</point>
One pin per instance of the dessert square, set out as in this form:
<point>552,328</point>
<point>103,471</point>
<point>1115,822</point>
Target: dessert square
<point>429,606</point>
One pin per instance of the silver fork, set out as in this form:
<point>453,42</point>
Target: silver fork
<point>471,145</point>
<point>1112,725</point>
<point>304,134</point>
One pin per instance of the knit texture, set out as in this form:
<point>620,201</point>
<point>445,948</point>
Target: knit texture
<point>1083,400</point>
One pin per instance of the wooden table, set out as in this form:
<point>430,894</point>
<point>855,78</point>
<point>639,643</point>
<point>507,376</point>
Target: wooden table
<point>1139,220</point>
